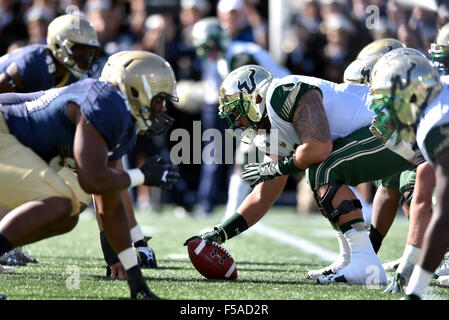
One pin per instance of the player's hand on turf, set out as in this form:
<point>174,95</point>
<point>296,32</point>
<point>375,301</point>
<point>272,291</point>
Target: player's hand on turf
<point>159,174</point>
<point>260,172</point>
<point>116,271</point>
<point>216,235</point>
<point>397,285</point>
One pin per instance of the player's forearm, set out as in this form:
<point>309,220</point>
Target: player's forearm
<point>261,199</point>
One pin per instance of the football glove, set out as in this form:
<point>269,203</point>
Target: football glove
<point>397,285</point>
<point>383,135</point>
<point>158,174</point>
<point>145,255</point>
<point>260,172</point>
<point>217,235</point>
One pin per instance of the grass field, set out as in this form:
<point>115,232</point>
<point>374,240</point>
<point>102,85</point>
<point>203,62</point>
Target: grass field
<point>71,266</point>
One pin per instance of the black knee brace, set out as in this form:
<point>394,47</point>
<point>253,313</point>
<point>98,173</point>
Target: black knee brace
<point>325,203</point>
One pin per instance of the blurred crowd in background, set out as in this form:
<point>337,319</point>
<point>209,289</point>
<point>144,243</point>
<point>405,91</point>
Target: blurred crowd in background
<point>323,37</point>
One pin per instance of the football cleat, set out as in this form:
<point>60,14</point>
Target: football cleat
<point>23,256</point>
<point>329,270</point>
<point>443,268</point>
<point>443,281</point>
<point>392,265</point>
<point>332,279</point>
<point>6,270</point>
<point>144,294</point>
<point>410,297</point>
<point>2,297</point>
<point>10,259</point>
<point>145,255</point>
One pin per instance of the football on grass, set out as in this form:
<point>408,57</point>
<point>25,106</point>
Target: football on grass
<point>213,261</point>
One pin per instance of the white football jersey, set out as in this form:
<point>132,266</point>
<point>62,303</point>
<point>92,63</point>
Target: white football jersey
<point>435,114</point>
<point>346,107</point>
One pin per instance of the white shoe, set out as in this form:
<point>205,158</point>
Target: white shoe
<point>443,281</point>
<point>443,268</point>
<point>6,270</point>
<point>329,270</point>
<point>340,263</point>
<point>392,265</point>
<point>364,268</point>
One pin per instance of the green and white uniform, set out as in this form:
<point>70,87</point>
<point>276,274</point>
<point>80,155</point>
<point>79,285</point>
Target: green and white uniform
<point>357,156</point>
<point>432,134</point>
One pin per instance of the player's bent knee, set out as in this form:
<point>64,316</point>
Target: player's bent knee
<point>61,208</point>
<point>325,202</point>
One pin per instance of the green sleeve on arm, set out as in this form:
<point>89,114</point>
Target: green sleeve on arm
<point>234,225</point>
<point>285,98</point>
<point>287,166</point>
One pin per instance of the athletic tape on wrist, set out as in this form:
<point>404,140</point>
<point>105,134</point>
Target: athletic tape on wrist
<point>136,176</point>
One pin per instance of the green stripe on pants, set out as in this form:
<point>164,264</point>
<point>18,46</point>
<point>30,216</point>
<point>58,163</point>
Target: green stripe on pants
<point>357,158</point>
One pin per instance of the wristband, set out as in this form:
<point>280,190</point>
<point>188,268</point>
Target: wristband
<point>286,166</point>
<point>136,177</point>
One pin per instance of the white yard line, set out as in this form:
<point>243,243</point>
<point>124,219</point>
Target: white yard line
<point>295,241</point>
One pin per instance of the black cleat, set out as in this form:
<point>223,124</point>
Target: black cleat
<point>144,294</point>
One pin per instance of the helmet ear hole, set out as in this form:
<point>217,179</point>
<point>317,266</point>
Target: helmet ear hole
<point>413,98</point>
<point>259,98</point>
<point>134,92</point>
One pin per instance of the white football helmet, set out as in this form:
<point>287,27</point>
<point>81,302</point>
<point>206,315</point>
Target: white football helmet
<point>209,38</point>
<point>403,83</point>
<point>73,41</point>
<point>359,71</point>
<point>242,94</point>
<point>146,80</point>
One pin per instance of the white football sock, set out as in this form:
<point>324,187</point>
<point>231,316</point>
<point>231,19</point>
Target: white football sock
<point>364,267</point>
<point>343,258</point>
<point>419,281</point>
<point>136,233</point>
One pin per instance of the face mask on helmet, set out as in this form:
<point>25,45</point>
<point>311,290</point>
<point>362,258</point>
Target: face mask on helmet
<point>154,117</point>
<point>147,83</point>
<point>241,100</point>
<point>386,122</point>
<point>80,58</point>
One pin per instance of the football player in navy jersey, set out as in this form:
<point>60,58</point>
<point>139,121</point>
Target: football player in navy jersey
<point>60,146</point>
<point>70,53</point>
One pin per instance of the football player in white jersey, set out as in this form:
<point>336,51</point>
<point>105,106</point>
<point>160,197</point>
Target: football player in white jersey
<point>407,93</point>
<point>213,44</point>
<point>421,209</point>
<point>306,123</point>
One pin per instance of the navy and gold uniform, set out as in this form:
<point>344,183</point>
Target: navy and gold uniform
<point>36,68</point>
<point>37,138</point>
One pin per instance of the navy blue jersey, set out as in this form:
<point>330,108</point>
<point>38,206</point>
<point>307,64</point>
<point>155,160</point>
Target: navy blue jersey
<point>40,122</point>
<point>36,68</point>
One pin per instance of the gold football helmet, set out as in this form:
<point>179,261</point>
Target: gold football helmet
<point>403,83</point>
<point>73,41</point>
<point>359,71</point>
<point>209,38</point>
<point>242,94</point>
<point>381,46</point>
<point>147,81</point>
<point>439,50</point>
